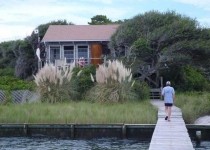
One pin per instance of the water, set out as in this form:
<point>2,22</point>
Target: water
<point>204,145</point>
<point>23,143</point>
<point>33,143</point>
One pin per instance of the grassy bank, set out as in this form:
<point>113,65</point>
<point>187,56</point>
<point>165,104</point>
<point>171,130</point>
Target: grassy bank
<point>193,105</point>
<point>81,112</point>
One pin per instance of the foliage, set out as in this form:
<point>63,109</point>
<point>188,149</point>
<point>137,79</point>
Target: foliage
<point>81,79</point>
<point>193,80</point>
<point>113,84</point>
<point>9,83</point>
<point>161,41</point>
<point>8,54</point>
<point>103,20</point>
<point>7,71</point>
<point>111,93</point>
<point>99,20</point>
<point>43,29</point>
<point>193,105</point>
<point>26,62</point>
<point>141,89</point>
<point>54,85</point>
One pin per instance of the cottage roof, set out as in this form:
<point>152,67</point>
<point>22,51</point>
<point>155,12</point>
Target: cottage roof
<point>79,33</point>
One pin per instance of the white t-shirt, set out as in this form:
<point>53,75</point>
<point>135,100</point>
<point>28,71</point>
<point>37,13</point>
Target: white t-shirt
<point>168,93</point>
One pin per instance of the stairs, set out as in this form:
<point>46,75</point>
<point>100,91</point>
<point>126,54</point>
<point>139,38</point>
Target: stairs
<point>155,94</point>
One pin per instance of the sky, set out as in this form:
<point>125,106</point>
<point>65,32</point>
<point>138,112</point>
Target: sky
<point>19,18</point>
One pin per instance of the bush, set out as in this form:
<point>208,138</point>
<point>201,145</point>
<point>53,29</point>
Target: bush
<point>113,84</point>
<point>141,89</point>
<point>7,72</point>
<point>9,83</point>
<point>55,85</point>
<point>193,79</point>
<point>114,92</point>
<point>81,79</point>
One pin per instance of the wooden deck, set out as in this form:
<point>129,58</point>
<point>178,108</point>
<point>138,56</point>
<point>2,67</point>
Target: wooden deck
<point>171,135</point>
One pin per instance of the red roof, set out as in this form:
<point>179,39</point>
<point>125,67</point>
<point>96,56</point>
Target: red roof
<point>79,33</point>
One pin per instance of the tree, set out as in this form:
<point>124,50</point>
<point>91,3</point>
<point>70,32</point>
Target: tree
<point>42,29</point>
<point>99,20</point>
<point>20,54</point>
<point>161,41</point>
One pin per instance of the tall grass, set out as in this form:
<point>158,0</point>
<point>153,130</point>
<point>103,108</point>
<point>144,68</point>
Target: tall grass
<point>54,84</point>
<point>113,84</point>
<point>80,112</point>
<point>193,105</point>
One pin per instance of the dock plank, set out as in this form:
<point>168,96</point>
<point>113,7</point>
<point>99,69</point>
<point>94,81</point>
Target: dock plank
<point>171,135</point>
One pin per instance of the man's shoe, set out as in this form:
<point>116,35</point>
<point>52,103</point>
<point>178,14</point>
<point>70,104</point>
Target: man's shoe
<point>166,117</point>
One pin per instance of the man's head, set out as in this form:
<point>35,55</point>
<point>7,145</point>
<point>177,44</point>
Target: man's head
<point>168,83</point>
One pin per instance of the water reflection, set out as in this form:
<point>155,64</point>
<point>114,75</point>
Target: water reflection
<point>21,143</point>
<point>203,145</point>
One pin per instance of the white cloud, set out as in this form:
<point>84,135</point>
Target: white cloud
<point>19,17</point>
<point>205,4</point>
<point>205,22</point>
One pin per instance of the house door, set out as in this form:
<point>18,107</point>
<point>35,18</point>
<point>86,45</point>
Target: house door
<point>96,52</point>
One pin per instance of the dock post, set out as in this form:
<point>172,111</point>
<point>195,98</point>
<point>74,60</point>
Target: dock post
<point>124,131</point>
<point>72,131</point>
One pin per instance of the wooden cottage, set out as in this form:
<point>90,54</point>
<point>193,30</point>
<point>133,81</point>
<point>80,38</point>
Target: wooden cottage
<point>70,43</point>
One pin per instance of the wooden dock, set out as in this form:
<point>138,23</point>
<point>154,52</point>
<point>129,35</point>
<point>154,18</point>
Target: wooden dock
<point>171,135</point>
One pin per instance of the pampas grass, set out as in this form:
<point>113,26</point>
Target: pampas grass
<point>114,72</point>
<point>113,84</point>
<point>53,84</point>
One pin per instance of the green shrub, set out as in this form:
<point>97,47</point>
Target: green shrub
<point>141,89</point>
<point>81,79</point>
<point>7,72</point>
<point>193,79</point>
<point>11,83</point>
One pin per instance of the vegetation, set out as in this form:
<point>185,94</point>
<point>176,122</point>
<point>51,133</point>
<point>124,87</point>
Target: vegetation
<point>155,44</point>
<point>80,112</point>
<point>103,20</point>
<point>113,84</point>
<point>162,41</point>
<point>54,85</point>
<point>10,83</point>
<point>193,105</point>
<point>81,79</point>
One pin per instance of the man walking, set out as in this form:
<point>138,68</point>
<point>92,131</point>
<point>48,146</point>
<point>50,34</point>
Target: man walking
<point>169,96</point>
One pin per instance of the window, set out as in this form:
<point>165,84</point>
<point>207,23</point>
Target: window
<point>54,53</point>
<point>83,52</point>
<point>69,53</point>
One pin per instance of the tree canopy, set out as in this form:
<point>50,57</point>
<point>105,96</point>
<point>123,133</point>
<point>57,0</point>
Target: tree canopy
<point>162,41</point>
<point>99,20</point>
<point>103,20</point>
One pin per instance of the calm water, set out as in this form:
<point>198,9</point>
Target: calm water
<point>22,143</point>
<point>204,145</point>
<point>66,144</point>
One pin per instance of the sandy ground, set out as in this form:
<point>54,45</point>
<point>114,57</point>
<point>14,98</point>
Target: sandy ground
<point>205,120</point>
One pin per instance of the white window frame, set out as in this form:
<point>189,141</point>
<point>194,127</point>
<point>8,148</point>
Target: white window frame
<point>51,61</point>
<point>73,50</point>
<point>88,52</point>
